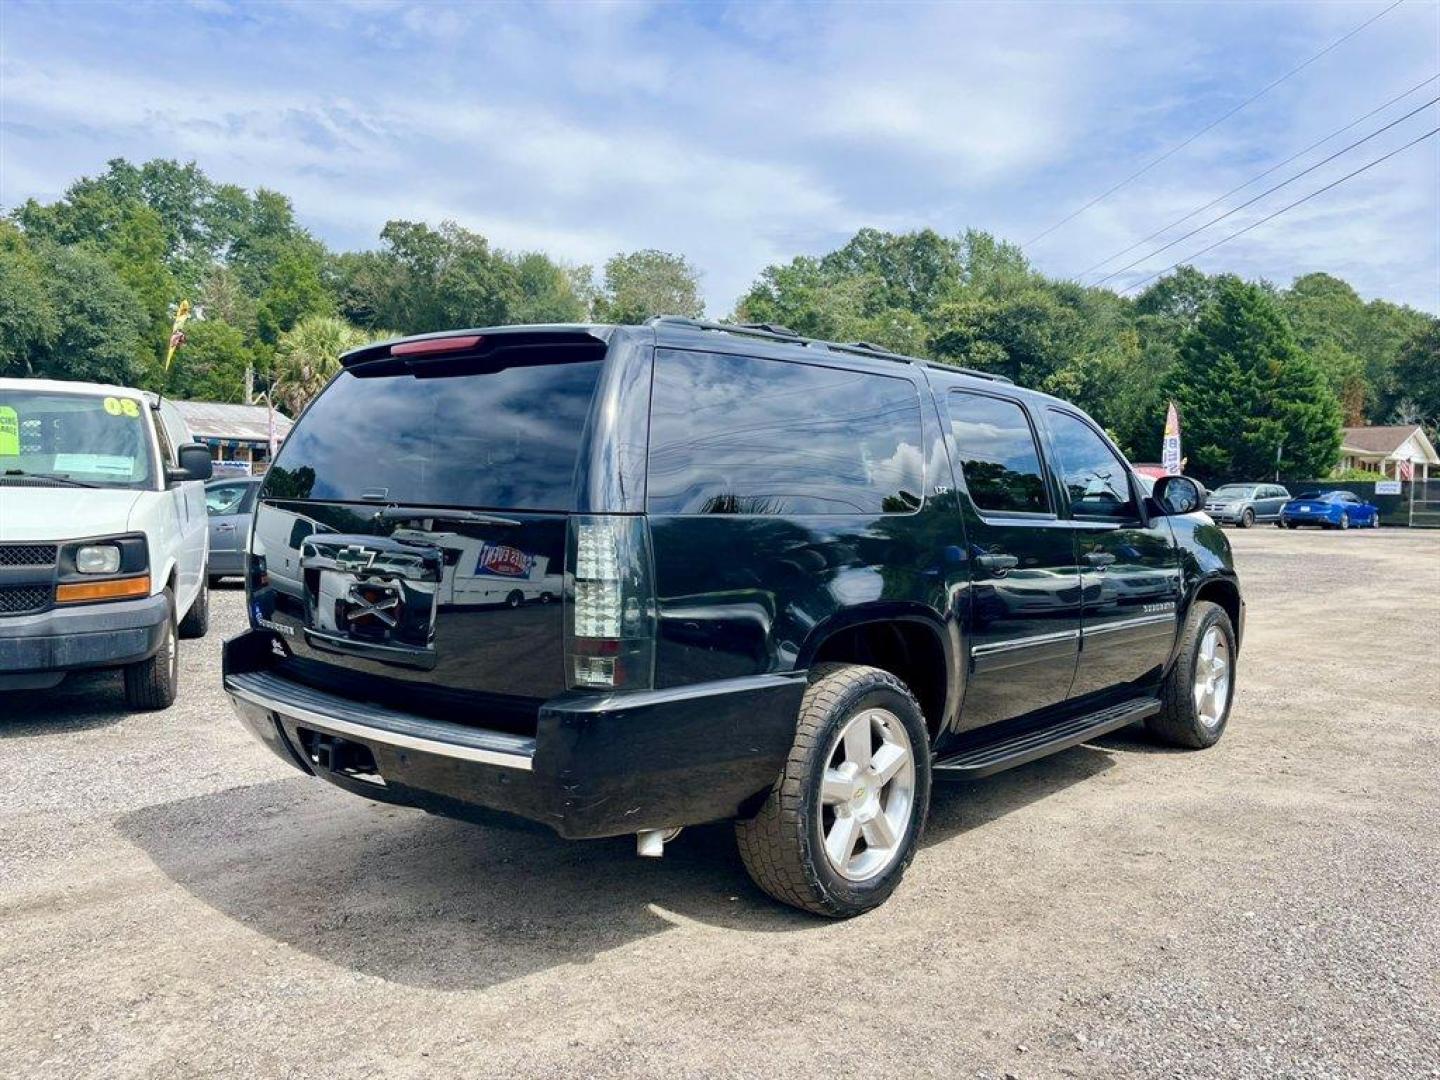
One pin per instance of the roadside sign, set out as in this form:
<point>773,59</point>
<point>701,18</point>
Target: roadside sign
<point>1387,487</point>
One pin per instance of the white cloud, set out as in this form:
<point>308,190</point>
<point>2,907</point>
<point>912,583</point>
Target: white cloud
<point>735,135</point>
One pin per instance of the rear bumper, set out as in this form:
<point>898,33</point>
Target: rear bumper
<point>87,636</point>
<point>598,764</point>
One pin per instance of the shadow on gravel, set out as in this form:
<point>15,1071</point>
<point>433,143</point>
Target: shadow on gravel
<point>425,901</point>
<point>85,700</point>
<point>957,806</point>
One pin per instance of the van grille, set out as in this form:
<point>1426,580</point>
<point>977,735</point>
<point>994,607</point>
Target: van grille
<point>27,554</point>
<point>23,599</point>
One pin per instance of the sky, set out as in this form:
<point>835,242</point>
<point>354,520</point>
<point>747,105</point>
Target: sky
<point>741,135</point>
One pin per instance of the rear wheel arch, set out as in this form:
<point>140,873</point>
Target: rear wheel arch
<point>914,646</point>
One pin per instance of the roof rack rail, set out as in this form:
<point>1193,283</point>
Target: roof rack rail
<point>772,332</point>
<point>974,372</point>
<point>760,330</point>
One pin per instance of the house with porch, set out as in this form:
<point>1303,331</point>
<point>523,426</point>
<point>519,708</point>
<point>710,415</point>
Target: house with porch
<point>1396,451</point>
<point>239,436</point>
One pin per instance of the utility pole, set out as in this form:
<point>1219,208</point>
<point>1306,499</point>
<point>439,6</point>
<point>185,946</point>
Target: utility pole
<point>1278,448</point>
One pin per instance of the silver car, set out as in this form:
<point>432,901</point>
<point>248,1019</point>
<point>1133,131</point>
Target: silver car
<point>230,504</point>
<point>1245,504</point>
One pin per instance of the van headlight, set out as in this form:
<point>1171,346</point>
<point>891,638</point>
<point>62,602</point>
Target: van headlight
<point>97,559</point>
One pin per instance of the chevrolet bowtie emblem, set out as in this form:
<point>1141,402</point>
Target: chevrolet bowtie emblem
<point>354,557</point>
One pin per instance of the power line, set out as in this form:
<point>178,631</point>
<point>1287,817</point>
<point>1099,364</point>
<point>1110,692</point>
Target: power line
<point>1213,124</point>
<point>1283,209</point>
<point>1258,176</point>
<point>1263,194</point>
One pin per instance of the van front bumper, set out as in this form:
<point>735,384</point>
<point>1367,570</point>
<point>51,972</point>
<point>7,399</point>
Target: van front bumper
<point>598,764</point>
<point>107,634</point>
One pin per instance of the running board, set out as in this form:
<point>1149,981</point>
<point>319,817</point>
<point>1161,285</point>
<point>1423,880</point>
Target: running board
<point>1014,750</point>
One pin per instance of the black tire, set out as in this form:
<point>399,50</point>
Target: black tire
<point>515,599</point>
<point>151,684</point>
<point>1247,519</point>
<point>196,623</point>
<point>1291,525</point>
<point>782,846</point>
<point>1178,722</point>
<point>1344,520</point>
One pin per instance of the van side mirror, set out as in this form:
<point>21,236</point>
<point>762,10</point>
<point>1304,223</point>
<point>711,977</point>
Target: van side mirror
<point>195,463</point>
<point>1179,495</point>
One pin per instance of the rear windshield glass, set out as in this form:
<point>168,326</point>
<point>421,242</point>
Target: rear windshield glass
<point>458,434</point>
<point>86,438</point>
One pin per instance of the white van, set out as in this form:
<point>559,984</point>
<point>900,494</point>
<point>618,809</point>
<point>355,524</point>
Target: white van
<point>103,536</point>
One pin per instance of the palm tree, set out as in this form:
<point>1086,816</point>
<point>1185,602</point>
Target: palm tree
<point>307,355</point>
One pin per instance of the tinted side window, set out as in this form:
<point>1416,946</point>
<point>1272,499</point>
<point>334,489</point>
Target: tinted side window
<point>1096,479</point>
<point>739,435</point>
<point>998,455</point>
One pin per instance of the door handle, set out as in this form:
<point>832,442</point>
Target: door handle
<point>1099,559</point>
<point>224,528</point>
<point>999,563</point>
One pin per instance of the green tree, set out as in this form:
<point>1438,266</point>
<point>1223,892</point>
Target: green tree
<point>1417,376</point>
<point>211,364</point>
<point>293,290</point>
<point>28,322</point>
<point>1245,388</point>
<point>100,322</point>
<point>546,292</point>
<point>642,284</point>
<point>427,279</point>
<point>307,356</point>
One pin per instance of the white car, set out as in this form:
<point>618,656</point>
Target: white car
<point>103,536</point>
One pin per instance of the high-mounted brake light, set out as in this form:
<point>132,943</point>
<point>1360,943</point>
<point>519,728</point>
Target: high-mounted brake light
<point>427,346</point>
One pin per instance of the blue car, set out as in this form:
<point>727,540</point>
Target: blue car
<point>1329,510</point>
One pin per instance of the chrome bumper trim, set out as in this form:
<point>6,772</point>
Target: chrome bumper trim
<point>334,725</point>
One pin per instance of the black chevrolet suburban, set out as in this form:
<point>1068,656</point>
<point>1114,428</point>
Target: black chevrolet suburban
<point>622,579</point>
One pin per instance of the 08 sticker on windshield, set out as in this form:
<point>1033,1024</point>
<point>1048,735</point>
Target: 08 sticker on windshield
<point>122,407</point>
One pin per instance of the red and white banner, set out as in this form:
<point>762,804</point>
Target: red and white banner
<point>1170,444</point>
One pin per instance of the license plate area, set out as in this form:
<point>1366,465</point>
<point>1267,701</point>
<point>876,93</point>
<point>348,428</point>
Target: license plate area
<point>344,756</point>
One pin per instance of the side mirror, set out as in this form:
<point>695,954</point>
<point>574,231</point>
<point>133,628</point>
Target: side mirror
<point>1179,494</point>
<point>195,463</point>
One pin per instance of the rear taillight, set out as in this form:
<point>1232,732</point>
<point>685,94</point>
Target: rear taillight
<point>611,604</point>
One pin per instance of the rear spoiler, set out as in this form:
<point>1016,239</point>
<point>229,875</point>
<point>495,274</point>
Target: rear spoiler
<point>477,342</point>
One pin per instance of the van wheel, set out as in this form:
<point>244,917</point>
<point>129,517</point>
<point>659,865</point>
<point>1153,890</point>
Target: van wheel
<point>197,620</point>
<point>845,815</point>
<point>1247,519</point>
<point>515,599</point>
<point>1195,700</point>
<point>151,684</point>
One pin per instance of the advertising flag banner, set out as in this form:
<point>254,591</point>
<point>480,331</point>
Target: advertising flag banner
<point>1170,445</point>
<point>177,331</point>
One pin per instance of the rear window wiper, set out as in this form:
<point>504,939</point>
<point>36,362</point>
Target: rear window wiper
<point>417,513</point>
<point>51,476</point>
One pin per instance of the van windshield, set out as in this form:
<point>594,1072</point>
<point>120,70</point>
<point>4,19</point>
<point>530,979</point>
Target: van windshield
<point>466,434</point>
<point>92,440</point>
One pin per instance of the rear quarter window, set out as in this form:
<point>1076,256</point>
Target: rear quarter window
<point>742,435</point>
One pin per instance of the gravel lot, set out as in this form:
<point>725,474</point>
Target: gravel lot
<point>175,901</point>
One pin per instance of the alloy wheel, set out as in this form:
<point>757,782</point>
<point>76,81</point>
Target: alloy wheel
<point>1212,678</point>
<point>867,795</point>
